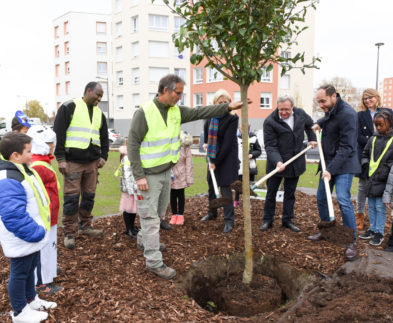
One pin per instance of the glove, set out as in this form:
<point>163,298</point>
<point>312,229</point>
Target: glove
<point>101,163</point>
<point>63,168</point>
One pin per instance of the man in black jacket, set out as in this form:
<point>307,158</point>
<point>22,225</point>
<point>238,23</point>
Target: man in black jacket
<point>283,133</point>
<point>339,144</point>
<point>82,147</point>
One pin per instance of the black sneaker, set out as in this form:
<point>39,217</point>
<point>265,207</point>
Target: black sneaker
<point>367,235</point>
<point>377,239</point>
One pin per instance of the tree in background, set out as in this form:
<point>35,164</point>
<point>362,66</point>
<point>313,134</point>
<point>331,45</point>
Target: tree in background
<point>35,110</point>
<point>239,38</point>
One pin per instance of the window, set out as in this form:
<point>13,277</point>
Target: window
<point>236,96</point>
<point>213,75</point>
<point>197,50</point>
<point>135,77</point>
<point>177,54</point>
<point>66,48</point>
<point>198,75</point>
<point>266,100</point>
<point>67,87</point>
<point>210,97</point>
<point>117,6</point>
<point>134,49</point>
<point>67,67</point>
<point>285,82</point>
<point>158,23</point>
<point>101,48</point>
<point>135,100</point>
<point>286,55</point>
<point>182,100</point>
<point>120,102</point>
<point>101,28</point>
<point>65,27</point>
<point>181,72</point>
<point>134,2</point>
<point>119,54</point>
<point>57,88</point>
<point>56,32</point>
<point>179,21</point>
<point>57,68</point>
<point>101,68</point>
<point>119,77</point>
<point>57,52</point>
<point>156,73</point>
<point>179,2</point>
<point>158,49</point>
<point>134,24</point>
<point>104,86</point>
<point>118,29</point>
<point>266,76</point>
<point>198,99</point>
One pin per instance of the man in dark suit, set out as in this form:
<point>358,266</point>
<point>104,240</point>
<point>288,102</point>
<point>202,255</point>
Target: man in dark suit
<point>283,132</point>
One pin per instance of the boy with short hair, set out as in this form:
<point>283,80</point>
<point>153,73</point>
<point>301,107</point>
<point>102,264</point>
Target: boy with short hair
<point>24,222</point>
<point>43,145</point>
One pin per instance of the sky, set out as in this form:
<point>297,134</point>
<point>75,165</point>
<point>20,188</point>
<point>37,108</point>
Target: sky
<point>345,34</point>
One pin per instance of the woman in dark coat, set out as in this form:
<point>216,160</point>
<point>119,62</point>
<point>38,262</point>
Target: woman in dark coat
<point>369,105</point>
<point>222,151</point>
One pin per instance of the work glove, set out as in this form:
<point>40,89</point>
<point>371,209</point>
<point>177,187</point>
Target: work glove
<point>63,168</point>
<point>101,163</point>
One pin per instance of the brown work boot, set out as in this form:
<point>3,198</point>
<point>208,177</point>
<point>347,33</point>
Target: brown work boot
<point>360,221</point>
<point>91,232</point>
<point>69,242</point>
<point>163,272</point>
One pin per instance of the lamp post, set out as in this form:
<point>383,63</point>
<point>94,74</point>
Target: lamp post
<point>378,45</point>
<point>107,96</point>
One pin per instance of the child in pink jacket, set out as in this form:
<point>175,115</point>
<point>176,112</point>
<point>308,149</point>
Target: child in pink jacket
<point>182,177</point>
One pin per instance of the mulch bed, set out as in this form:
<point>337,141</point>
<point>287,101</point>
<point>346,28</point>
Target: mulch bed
<point>105,279</point>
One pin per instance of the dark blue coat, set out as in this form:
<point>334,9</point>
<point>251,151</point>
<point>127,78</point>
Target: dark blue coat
<point>226,161</point>
<point>282,143</point>
<point>339,139</point>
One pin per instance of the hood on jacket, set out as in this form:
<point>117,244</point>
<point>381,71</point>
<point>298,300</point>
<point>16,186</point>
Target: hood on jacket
<point>41,136</point>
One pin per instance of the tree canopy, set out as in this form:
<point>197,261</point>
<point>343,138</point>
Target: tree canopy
<point>35,110</point>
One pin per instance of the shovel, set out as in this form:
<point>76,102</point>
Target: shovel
<point>218,201</point>
<point>326,182</point>
<point>237,186</point>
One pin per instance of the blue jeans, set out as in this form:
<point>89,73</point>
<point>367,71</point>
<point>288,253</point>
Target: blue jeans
<point>343,183</point>
<point>376,214</point>
<point>21,287</point>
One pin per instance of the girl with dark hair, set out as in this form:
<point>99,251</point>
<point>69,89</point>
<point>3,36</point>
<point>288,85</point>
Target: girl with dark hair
<point>377,161</point>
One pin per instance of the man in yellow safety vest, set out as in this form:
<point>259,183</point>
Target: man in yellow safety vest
<point>82,148</point>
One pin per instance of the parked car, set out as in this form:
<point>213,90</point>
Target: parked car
<point>113,135</point>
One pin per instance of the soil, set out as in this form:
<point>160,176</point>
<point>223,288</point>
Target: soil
<point>105,279</point>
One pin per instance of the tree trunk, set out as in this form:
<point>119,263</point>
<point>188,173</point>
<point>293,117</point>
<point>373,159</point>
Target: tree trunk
<point>247,274</point>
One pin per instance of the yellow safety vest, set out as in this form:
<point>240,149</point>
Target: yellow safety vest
<point>161,143</point>
<point>44,164</point>
<point>374,164</point>
<point>43,205</point>
<point>81,130</point>
<point>118,170</point>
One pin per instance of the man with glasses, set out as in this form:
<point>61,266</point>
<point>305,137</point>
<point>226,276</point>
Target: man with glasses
<point>153,149</point>
<point>283,133</point>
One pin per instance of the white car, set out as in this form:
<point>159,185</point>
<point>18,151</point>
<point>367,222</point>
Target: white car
<point>112,135</point>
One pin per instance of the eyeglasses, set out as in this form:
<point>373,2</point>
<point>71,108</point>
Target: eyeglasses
<point>368,98</point>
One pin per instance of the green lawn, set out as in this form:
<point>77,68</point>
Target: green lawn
<point>108,189</point>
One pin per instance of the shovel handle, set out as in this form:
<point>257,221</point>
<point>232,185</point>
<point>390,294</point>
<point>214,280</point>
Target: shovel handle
<point>325,180</point>
<point>213,180</point>
<point>274,171</point>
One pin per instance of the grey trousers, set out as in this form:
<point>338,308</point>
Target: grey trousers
<point>151,210</point>
<point>362,195</point>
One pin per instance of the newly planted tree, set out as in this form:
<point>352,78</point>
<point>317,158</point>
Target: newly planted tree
<point>239,38</point>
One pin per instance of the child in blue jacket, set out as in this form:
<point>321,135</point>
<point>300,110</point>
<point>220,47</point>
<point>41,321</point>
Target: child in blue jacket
<point>24,223</point>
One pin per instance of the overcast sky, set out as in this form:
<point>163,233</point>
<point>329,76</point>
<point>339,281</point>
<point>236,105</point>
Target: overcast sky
<point>346,31</point>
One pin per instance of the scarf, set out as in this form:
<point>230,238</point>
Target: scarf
<point>212,144</point>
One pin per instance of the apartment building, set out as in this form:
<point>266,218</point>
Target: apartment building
<point>387,92</point>
<point>143,52</point>
<point>82,53</point>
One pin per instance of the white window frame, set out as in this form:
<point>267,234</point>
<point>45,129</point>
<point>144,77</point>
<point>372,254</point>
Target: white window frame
<point>158,22</point>
<point>135,49</point>
<point>266,77</point>
<point>159,71</point>
<point>158,49</point>
<point>135,75</point>
<point>118,6</point>
<point>177,23</point>
<point>119,78</point>
<point>198,79</point>
<point>236,96</point>
<point>118,29</point>
<point>120,102</point>
<point>268,105</point>
<point>287,79</point>
<point>210,97</point>
<point>211,77</point>
<point>198,99</point>
<point>181,72</point>
<point>134,24</point>
<point>99,49</point>
<point>99,25</point>
<point>119,53</point>
<point>136,100</point>
<point>100,71</point>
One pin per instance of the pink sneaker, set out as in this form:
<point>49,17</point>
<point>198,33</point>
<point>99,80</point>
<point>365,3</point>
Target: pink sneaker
<point>236,203</point>
<point>180,219</point>
<point>173,219</point>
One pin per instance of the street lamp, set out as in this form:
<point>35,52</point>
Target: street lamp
<point>378,45</point>
<point>107,96</point>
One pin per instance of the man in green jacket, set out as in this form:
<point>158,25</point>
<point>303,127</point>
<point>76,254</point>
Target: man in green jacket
<point>153,149</point>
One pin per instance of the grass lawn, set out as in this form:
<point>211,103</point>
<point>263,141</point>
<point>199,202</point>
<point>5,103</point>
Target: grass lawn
<point>108,189</point>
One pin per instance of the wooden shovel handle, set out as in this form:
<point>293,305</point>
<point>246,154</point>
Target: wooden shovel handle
<point>213,180</point>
